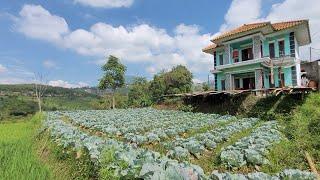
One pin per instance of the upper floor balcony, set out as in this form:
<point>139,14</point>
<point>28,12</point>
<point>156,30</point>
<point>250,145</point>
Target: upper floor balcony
<point>255,49</point>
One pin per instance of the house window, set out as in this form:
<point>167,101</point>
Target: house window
<point>237,83</point>
<point>271,50</point>
<point>214,59</point>
<point>281,48</point>
<point>246,54</point>
<point>221,59</point>
<point>216,82</point>
<point>261,49</point>
<point>235,55</point>
<point>292,45</point>
<point>223,85</point>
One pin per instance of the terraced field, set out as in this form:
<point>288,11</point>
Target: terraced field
<point>159,144</point>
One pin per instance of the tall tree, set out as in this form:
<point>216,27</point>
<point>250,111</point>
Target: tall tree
<point>138,95</point>
<point>40,86</point>
<point>178,80</point>
<point>113,77</point>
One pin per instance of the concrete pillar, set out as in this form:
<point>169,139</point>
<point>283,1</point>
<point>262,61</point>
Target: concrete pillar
<point>256,47</point>
<point>228,82</point>
<point>226,58</point>
<point>258,78</point>
<point>298,73</point>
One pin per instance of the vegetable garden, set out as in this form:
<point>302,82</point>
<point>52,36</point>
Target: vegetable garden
<point>157,144</point>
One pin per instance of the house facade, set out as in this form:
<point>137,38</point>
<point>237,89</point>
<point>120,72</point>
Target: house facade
<point>259,56</point>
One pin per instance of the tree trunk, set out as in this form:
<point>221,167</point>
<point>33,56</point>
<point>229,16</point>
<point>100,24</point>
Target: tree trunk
<point>113,101</point>
<point>39,104</point>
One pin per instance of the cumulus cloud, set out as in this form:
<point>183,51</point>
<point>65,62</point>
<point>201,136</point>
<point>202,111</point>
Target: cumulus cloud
<point>137,43</point>
<point>66,84</point>
<point>36,22</point>
<point>2,68</point>
<point>106,3</point>
<point>240,12</point>
<point>49,64</point>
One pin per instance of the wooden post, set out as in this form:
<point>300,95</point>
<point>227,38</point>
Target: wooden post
<point>312,165</point>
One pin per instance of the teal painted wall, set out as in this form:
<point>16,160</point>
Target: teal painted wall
<point>266,78</point>
<point>220,76</point>
<point>238,46</point>
<point>287,76</point>
<point>250,68</point>
<point>284,36</point>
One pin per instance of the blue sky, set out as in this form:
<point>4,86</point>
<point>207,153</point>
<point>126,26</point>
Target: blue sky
<point>68,40</point>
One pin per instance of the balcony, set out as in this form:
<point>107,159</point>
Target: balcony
<point>265,61</point>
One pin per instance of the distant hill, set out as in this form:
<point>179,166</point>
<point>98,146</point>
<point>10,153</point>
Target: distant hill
<point>28,90</point>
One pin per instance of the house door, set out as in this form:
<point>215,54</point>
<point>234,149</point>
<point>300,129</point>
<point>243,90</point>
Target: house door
<point>249,83</point>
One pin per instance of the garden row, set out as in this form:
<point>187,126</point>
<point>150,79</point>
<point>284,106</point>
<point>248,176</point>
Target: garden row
<point>123,159</point>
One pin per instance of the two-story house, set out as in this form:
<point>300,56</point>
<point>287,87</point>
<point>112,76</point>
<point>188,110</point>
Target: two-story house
<point>259,56</point>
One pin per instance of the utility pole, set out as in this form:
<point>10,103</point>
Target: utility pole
<point>310,53</point>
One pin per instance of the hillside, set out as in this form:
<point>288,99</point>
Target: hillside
<point>19,100</point>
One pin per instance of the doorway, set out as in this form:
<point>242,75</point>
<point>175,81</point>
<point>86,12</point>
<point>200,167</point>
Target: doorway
<point>249,83</point>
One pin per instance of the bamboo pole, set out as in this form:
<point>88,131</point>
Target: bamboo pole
<point>312,165</point>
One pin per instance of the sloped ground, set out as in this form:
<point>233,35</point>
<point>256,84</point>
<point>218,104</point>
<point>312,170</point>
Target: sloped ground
<point>131,138</point>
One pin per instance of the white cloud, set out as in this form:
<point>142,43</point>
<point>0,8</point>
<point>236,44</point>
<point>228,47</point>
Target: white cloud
<point>2,68</point>
<point>49,64</point>
<point>135,44</point>
<point>66,84</point>
<point>36,22</point>
<point>240,12</point>
<point>106,3</point>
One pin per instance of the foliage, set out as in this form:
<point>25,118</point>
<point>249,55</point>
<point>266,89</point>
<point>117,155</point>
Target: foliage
<point>205,86</point>
<point>158,87</point>
<point>178,80</point>
<point>124,151</point>
<point>138,93</point>
<point>28,90</point>
<point>16,107</point>
<point>186,108</point>
<point>251,150</point>
<point>113,77</point>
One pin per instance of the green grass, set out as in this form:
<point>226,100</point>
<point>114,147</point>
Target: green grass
<point>18,158</point>
<point>302,130</point>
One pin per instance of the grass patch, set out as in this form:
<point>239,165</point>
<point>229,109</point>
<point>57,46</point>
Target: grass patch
<point>17,153</point>
<point>301,127</point>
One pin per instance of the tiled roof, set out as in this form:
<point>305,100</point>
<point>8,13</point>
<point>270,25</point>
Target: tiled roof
<point>243,28</point>
<point>284,25</point>
<point>211,46</point>
<point>248,27</point>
